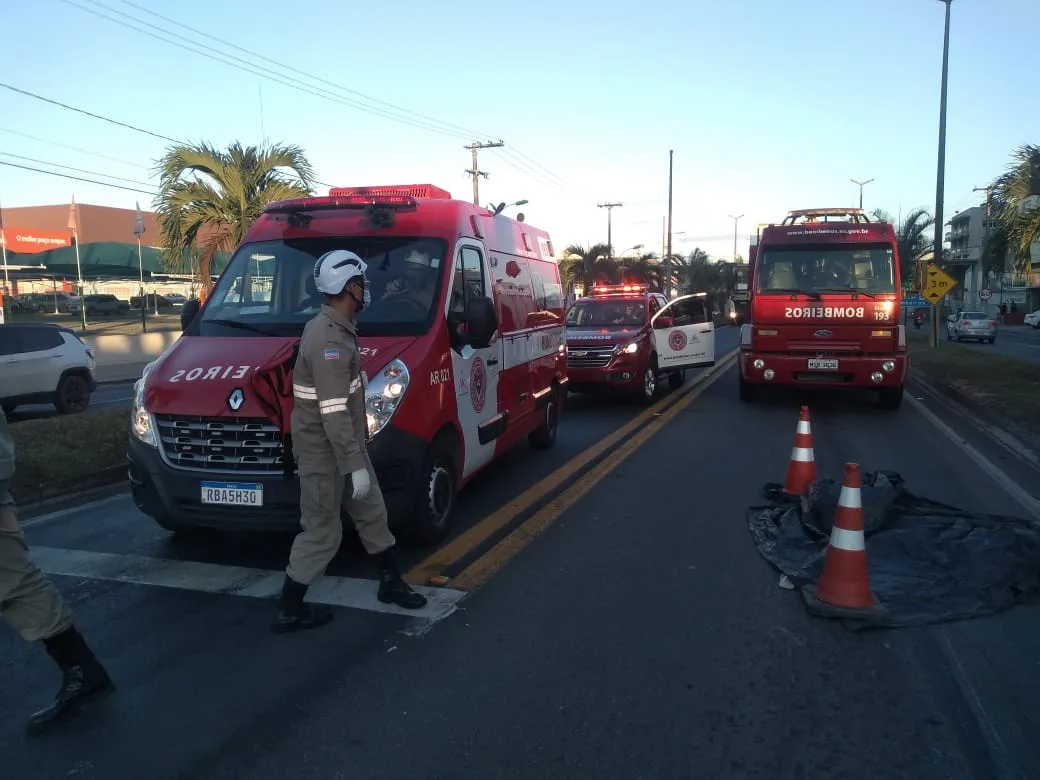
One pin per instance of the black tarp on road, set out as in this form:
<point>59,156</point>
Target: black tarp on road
<point>928,562</point>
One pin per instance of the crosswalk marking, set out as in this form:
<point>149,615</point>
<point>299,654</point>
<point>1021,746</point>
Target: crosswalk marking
<point>350,592</point>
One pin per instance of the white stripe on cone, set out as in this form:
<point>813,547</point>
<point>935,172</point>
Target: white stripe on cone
<point>849,498</point>
<point>850,541</point>
<point>802,455</point>
<point>803,427</point>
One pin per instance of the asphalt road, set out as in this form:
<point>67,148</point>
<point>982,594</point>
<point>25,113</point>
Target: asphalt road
<point>106,396</point>
<point>1016,341</point>
<point>640,635</point>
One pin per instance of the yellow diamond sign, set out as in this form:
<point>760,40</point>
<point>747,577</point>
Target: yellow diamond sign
<point>937,283</point>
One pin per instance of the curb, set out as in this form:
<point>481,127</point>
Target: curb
<point>34,496</point>
<point>992,423</point>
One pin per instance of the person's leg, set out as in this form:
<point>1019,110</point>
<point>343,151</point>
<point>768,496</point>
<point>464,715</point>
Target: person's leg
<point>34,608</point>
<point>321,493</point>
<point>370,519</point>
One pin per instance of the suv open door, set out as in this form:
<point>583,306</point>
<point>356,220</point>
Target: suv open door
<point>684,334</point>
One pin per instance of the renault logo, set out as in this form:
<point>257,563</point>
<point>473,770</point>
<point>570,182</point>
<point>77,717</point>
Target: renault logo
<point>823,334</point>
<point>236,399</point>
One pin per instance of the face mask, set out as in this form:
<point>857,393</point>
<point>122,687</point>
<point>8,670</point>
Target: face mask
<point>366,299</point>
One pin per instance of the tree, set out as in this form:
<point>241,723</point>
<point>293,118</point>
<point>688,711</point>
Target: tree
<point>208,199</point>
<point>645,269</point>
<point>1017,224</point>
<point>913,238</point>
<point>587,265</point>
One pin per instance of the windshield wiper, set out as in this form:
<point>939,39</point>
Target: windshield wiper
<point>240,325</point>
<point>790,291</point>
<point>844,290</point>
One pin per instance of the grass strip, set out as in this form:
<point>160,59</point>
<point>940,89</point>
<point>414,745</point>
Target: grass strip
<point>67,453</point>
<point>1007,385</point>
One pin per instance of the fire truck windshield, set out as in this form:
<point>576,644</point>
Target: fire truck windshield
<point>862,268</point>
<point>606,313</point>
<point>268,286</point>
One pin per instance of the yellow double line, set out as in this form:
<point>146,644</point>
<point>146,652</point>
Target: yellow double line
<point>433,568</point>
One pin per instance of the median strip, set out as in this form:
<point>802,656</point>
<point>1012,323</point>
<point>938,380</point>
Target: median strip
<point>451,559</point>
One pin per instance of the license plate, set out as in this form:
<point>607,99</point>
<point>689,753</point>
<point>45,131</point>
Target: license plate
<point>233,493</point>
<point>818,364</point>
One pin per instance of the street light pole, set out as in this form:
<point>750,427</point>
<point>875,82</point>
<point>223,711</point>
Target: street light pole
<point>861,184</point>
<point>735,221</point>
<point>668,251</point>
<point>940,178</point>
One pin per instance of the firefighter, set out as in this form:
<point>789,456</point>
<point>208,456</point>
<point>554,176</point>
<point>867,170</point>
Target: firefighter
<point>328,432</point>
<point>32,606</point>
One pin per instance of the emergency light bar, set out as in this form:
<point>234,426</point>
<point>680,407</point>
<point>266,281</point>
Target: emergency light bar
<point>410,190</point>
<point>391,202</point>
<point>613,289</point>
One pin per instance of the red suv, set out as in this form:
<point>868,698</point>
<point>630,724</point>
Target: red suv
<point>625,338</point>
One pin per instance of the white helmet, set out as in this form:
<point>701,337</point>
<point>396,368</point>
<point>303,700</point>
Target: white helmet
<point>335,269</point>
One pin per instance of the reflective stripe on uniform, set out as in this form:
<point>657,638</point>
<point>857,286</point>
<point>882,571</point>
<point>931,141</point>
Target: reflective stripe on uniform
<point>305,392</point>
<point>333,405</point>
<point>355,385</point>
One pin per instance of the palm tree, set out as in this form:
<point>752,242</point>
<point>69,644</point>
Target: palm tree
<point>587,265</point>
<point>208,199</point>
<point>913,238</point>
<point>1018,224</point>
<point>645,269</point>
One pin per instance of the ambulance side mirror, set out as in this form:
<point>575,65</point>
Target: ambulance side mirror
<point>482,322</point>
<point>188,311</point>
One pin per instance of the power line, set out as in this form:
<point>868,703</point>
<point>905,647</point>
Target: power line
<point>77,178</point>
<point>71,148</point>
<point>70,168</point>
<point>409,117</point>
<point>116,122</point>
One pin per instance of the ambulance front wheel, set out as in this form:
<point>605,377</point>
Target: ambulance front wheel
<point>544,436</point>
<point>435,494</point>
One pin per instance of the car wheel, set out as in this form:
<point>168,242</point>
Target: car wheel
<point>435,496</point>
<point>648,391</point>
<point>73,394</point>
<point>544,437</point>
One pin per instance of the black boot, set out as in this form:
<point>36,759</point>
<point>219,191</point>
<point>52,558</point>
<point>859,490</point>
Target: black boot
<point>85,680</point>
<point>394,590</point>
<point>293,614</point>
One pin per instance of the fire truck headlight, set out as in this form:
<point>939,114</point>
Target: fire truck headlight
<point>384,394</point>
<point>759,364</point>
<point>769,373</point>
<point>889,366</point>
<point>876,377</point>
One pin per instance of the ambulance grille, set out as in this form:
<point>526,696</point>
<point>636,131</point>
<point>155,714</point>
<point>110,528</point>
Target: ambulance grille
<point>220,444</point>
<point>589,357</point>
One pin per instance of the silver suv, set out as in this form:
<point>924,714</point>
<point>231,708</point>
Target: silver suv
<point>45,364</point>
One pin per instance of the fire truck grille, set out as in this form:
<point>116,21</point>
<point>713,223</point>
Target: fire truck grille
<point>589,357</point>
<point>216,444</point>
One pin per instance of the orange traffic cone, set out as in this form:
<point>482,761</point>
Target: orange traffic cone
<point>802,470</point>
<point>844,581</point>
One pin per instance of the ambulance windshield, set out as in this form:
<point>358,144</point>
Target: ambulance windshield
<point>606,313</point>
<point>268,286</point>
<point>812,269</point>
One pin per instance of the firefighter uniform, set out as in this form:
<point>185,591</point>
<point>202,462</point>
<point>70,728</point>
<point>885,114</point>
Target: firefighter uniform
<point>34,608</point>
<point>329,430</point>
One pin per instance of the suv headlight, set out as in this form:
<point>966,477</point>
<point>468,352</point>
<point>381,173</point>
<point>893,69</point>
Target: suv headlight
<point>628,349</point>
<point>383,395</point>
<point>141,421</point>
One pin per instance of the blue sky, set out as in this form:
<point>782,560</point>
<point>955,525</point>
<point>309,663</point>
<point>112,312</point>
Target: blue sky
<point>769,106</point>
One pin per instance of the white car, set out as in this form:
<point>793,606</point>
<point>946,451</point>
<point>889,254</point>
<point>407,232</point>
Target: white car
<point>45,364</point>
<point>1032,319</point>
<point>975,325</point>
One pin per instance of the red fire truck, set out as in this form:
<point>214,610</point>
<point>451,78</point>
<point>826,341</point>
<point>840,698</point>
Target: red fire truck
<point>825,306</point>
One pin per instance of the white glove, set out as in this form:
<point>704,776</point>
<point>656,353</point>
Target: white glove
<point>362,483</point>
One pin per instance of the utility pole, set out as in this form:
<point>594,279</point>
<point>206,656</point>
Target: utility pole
<point>668,254</point>
<point>861,184</point>
<point>735,221</point>
<point>475,171</point>
<point>940,177</point>
<point>610,208</point>
<point>988,191</point>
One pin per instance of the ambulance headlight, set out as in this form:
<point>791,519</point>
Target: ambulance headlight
<point>141,421</point>
<point>383,395</point>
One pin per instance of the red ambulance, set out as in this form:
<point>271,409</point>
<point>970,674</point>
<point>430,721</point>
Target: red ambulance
<point>463,348</point>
